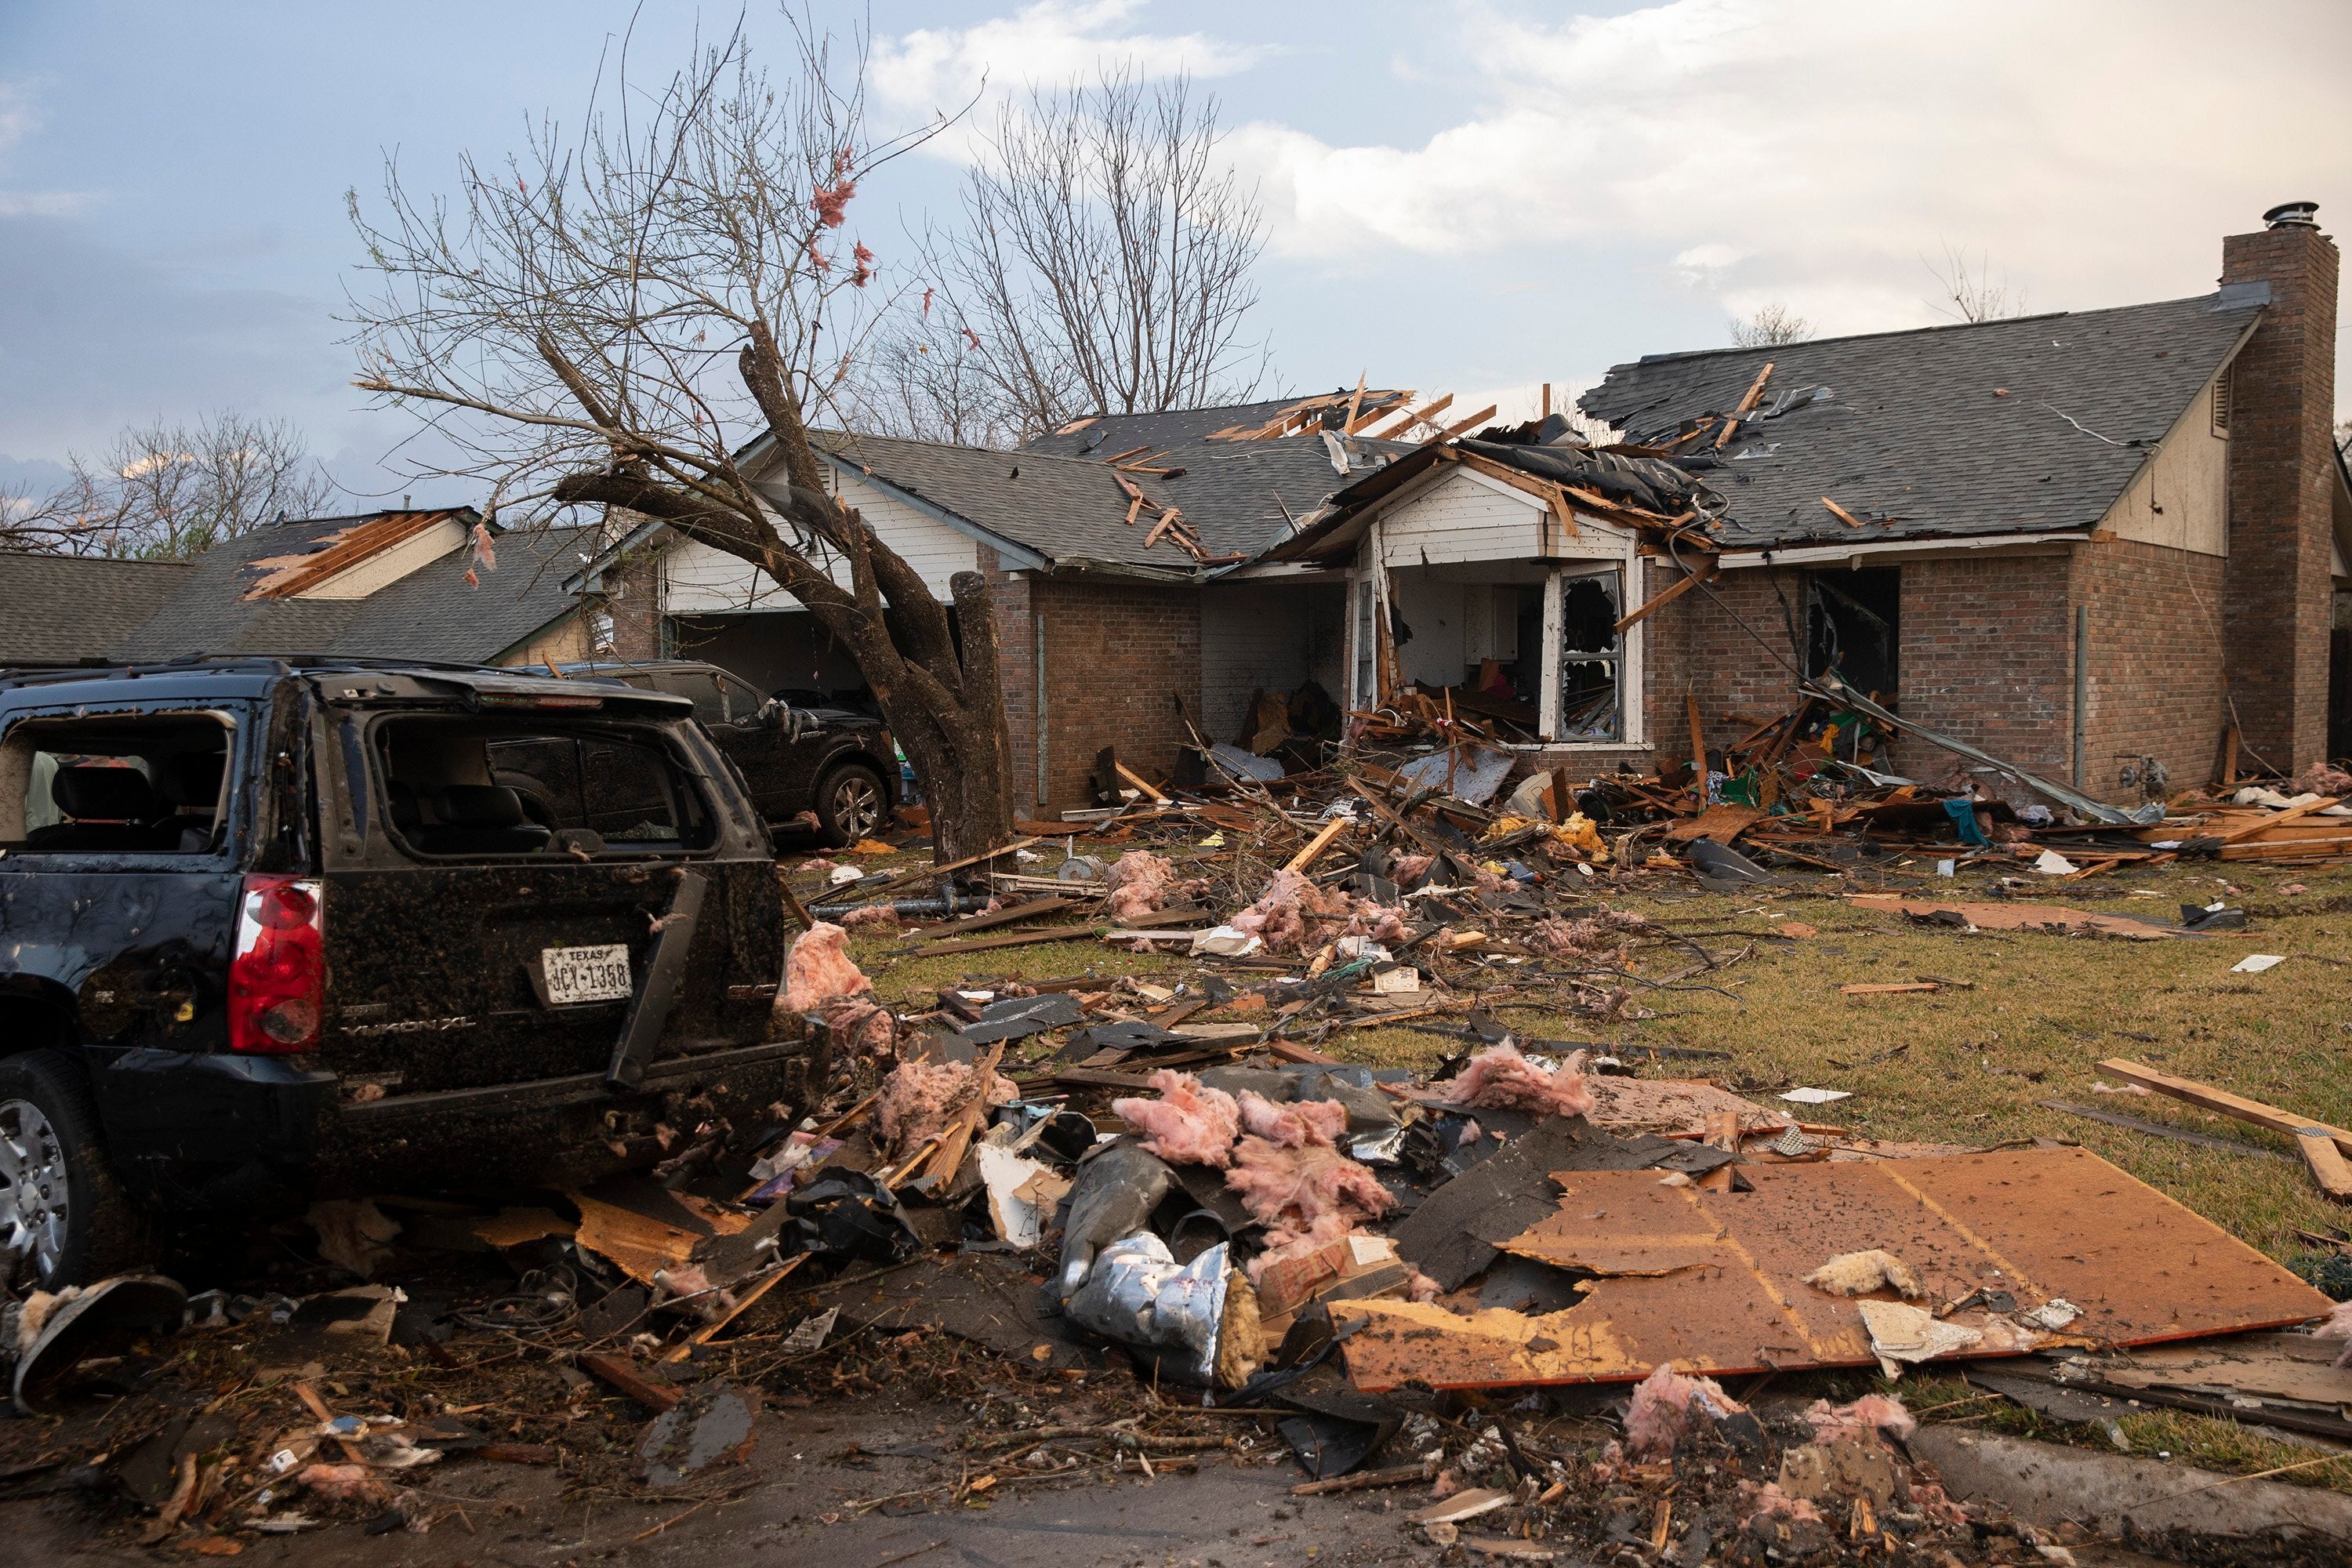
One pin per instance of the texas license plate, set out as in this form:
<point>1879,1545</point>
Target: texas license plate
<point>585,974</point>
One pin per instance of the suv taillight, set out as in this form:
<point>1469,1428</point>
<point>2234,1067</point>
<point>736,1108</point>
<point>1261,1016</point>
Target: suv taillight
<point>278,974</point>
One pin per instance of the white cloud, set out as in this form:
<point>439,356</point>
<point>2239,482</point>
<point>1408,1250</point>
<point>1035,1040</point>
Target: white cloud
<point>1048,43</point>
<point>1812,152</point>
<point>18,121</point>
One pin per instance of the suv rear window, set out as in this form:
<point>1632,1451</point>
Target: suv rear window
<point>150,783</point>
<point>466,788</point>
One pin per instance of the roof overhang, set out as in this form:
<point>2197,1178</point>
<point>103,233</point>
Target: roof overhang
<point>1886,549</point>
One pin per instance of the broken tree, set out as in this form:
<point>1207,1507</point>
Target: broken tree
<point>577,317</point>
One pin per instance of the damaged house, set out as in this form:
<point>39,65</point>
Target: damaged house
<point>2108,545</point>
<point>1110,546</point>
<point>424,583</point>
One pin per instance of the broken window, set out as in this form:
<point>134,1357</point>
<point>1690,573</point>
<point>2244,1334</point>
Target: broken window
<point>474,787</point>
<point>1853,625</point>
<point>1591,658</point>
<point>130,784</point>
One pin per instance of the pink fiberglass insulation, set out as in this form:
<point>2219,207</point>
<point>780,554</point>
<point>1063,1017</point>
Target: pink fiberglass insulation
<point>1294,914</point>
<point>1292,1192</point>
<point>1138,884</point>
<point>881,916</point>
<point>2321,778</point>
<point>1765,1499</point>
<point>1187,1125</point>
<point>1873,1413</point>
<point>2337,1325</point>
<point>1661,1411</point>
<point>860,1023</point>
<point>1585,938</point>
<point>1410,868</point>
<point>918,1098</point>
<point>1500,1079</point>
<point>818,968</point>
<point>1293,1126</point>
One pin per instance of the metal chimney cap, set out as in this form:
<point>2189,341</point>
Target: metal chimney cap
<point>2293,215</point>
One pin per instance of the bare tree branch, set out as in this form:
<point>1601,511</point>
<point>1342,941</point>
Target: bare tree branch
<point>642,314</point>
<point>1103,266</point>
<point>1970,293</point>
<point>1769,326</point>
<point>172,491</point>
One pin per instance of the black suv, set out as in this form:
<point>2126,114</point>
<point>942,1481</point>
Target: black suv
<point>272,928</point>
<point>833,762</point>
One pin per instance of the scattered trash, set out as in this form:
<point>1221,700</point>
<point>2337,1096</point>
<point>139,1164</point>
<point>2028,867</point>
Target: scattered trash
<point>2257,962</point>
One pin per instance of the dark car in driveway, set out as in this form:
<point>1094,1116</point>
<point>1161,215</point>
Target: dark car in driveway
<point>834,762</point>
<point>273,929</point>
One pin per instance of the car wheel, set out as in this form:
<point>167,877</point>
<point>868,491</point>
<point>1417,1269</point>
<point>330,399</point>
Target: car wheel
<point>64,1219</point>
<point>849,804</point>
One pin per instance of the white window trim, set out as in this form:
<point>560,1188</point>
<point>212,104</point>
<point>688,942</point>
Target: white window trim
<point>1632,706</point>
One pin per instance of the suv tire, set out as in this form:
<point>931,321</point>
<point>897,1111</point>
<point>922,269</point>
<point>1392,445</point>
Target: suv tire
<point>64,1218</point>
<point>850,803</point>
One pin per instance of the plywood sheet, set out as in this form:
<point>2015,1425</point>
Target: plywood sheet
<point>2040,1223</point>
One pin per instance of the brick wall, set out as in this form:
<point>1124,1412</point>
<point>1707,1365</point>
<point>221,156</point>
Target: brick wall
<point>2278,588</point>
<point>1114,653</point>
<point>2155,663</point>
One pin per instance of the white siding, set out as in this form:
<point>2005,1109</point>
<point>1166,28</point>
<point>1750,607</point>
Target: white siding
<point>2188,477</point>
<point>1462,517</point>
<point>699,580</point>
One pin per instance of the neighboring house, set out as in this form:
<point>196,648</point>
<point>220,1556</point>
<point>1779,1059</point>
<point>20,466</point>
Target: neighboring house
<point>2082,541</point>
<point>1118,638</point>
<point>388,585</point>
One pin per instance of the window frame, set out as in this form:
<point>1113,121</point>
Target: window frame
<point>227,805</point>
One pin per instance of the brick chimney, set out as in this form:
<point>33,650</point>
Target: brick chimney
<point>2283,397</point>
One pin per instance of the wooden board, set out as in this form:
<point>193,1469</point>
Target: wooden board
<point>1721,823</point>
<point>2055,917</point>
<point>2044,1222</point>
<point>2285,1122</point>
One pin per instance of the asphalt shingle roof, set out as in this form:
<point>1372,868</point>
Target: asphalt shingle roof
<point>432,613</point>
<point>2031,424</point>
<point>1069,510</point>
<point>55,609</point>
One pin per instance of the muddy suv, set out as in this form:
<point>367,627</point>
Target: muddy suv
<point>271,930</point>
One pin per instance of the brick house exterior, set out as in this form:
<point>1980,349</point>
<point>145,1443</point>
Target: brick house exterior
<point>2087,543</point>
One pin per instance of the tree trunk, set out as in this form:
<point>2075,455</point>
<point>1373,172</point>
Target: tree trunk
<point>960,752</point>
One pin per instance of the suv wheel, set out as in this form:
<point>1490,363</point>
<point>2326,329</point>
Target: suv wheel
<point>849,804</point>
<point>63,1217</point>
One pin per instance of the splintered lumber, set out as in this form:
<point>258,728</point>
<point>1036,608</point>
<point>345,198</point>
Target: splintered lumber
<point>622,1374</point>
<point>1457,428</point>
<point>1698,740</point>
<point>1843,515</point>
<point>1672,591</point>
<point>930,873</point>
<point>2205,1097</point>
<point>1316,844</point>
<point>1031,910</point>
<point>2278,819</point>
<point>2327,1163</point>
<point>1754,393</point>
<point>1421,415</point>
<point>1014,939</point>
<point>1137,780</point>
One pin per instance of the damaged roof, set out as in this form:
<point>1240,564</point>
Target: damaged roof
<point>55,609</point>
<point>233,598</point>
<point>1071,512</point>
<point>2029,425</point>
<point>1108,435</point>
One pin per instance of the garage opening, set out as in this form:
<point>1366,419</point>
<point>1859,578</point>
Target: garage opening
<point>1854,625</point>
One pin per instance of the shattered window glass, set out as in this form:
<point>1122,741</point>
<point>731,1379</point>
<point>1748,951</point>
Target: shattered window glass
<point>138,784</point>
<point>1591,658</point>
<point>490,787</point>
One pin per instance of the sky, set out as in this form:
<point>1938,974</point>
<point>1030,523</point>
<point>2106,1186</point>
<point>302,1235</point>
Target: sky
<point>1464,197</point>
